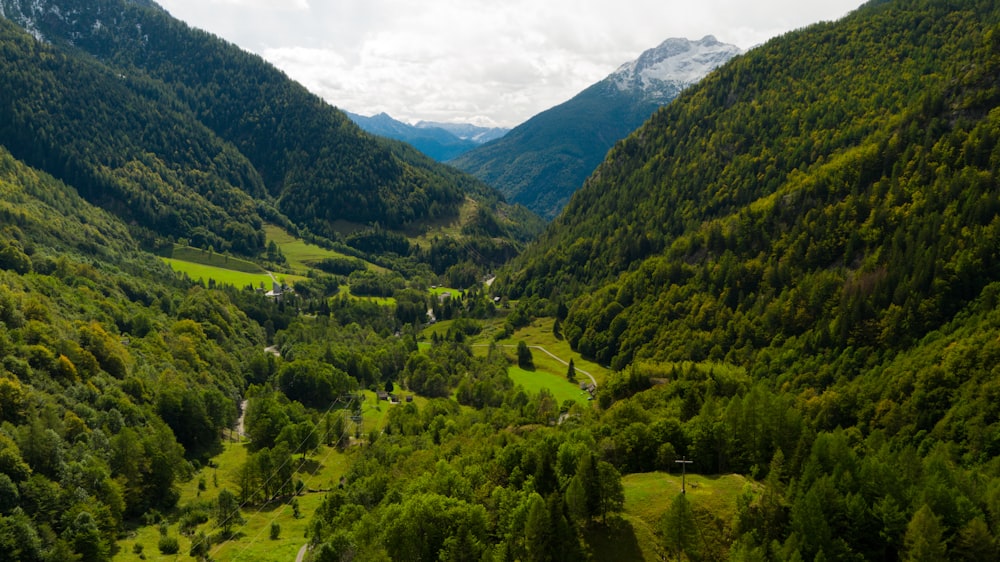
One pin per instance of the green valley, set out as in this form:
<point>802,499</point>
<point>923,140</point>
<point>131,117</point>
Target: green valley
<point>766,328</point>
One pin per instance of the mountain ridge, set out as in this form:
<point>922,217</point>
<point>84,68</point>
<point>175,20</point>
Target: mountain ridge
<point>541,162</point>
<point>303,162</point>
<point>440,141</point>
<point>727,171</point>
<point>467,131</point>
<point>661,72</point>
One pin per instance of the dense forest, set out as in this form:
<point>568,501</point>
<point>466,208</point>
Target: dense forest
<point>793,196</point>
<point>789,274</point>
<point>114,378</point>
<point>821,213</point>
<point>188,137</point>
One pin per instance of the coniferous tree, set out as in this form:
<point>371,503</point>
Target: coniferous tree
<point>974,542</point>
<point>524,358</point>
<point>924,541</point>
<point>538,532</point>
<point>680,532</point>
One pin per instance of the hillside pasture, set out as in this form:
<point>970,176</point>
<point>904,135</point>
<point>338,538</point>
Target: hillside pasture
<point>636,534</point>
<point>223,276</point>
<point>301,255</point>
<point>534,381</point>
<point>206,257</point>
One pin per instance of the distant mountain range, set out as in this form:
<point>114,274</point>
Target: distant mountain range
<point>541,162</point>
<point>440,141</point>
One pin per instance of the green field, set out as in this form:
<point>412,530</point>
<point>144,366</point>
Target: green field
<point>201,272</point>
<point>204,257</point>
<point>539,333</point>
<point>383,301</point>
<point>301,255</point>
<point>562,389</point>
<point>634,535</point>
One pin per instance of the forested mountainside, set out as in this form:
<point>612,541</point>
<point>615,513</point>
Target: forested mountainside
<point>542,161</point>
<point>823,214</point>
<point>836,185</point>
<point>191,137</point>
<point>113,375</point>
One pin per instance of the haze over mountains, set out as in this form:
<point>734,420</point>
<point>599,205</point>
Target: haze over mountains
<point>788,277</point>
<point>440,141</point>
<point>541,162</point>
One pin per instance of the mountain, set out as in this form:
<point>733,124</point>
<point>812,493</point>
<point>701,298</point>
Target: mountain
<point>797,191</point>
<point>818,219</point>
<point>189,137</point>
<point>440,141</point>
<point>466,131</point>
<point>809,218</point>
<point>541,162</point>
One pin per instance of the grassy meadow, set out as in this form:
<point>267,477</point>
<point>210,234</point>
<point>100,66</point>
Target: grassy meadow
<point>635,535</point>
<point>301,255</point>
<point>562,389</point>
<point>223,276</point>
<point>539,333</point>
<point>321,471</point>
<point>205,257</point>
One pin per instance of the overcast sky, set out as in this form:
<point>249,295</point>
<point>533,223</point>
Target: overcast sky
<point>495,62</point>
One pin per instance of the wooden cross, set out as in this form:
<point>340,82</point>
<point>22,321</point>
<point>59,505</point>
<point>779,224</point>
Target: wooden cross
<point>683,462</point>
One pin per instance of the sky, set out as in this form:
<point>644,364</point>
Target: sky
<point>487,62</point>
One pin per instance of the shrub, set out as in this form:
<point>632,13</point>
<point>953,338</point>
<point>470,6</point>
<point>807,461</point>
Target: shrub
<point>169,545</point>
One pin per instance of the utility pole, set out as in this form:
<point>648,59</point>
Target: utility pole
<point>683,462</point>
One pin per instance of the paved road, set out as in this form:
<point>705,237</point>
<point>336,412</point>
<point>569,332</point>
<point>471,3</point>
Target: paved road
<point>550,354</point>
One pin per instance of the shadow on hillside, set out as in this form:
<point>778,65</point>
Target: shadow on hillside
<point>615,540</point>
<point>309,466</point>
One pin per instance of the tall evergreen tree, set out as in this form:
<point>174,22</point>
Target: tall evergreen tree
<point>924,540</point>
<point>524,358</point>
<point>538,531</point>
<point>680,531</point>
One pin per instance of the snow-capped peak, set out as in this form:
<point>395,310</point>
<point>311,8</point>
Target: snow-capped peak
<point>673,65</point>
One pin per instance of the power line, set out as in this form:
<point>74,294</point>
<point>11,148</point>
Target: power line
<point>263,485</point>
<point>282,510</point>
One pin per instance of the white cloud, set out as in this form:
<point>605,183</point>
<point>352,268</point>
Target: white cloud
<point>476,60</point>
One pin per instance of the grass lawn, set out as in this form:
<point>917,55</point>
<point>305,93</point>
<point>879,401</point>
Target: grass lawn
<point>440,328</point>
<point>533,381</point>
<point>197,271</point>
<point>381,301</point>
<point>438,291</point>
